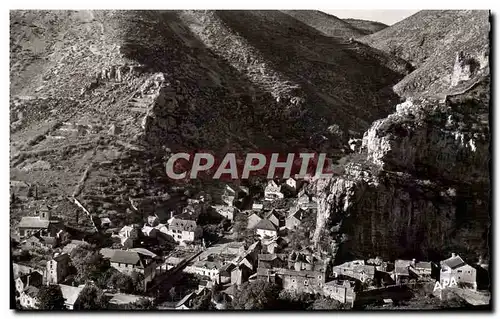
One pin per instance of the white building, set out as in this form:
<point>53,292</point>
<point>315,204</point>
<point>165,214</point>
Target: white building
<point>183,230</point>
<point>265,228</point>
<point>272,191</point>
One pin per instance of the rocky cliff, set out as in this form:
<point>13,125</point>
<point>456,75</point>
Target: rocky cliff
<point>419,185</point>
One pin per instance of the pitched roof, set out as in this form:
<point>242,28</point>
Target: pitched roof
<point>33,222</point>
<point>70,293</point>
<point>253,220</point>
<point>125,257</point>
<point>265,224</point>
<point>184,299</point>
<point>453,262</point>
<point>144,251</point>
<point>423,264</point>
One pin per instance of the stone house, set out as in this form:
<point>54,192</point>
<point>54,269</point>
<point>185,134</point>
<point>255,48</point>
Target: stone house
<point>294,219</point>
<point>265,228</point>
<point>57,268</point>
<point>340,290</point>
<point>355,269</point>
<point>43,224</point>
<point>128,261</point>
<point>456,268</point>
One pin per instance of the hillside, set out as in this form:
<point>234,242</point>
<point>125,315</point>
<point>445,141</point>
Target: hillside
<point>99,97</point>
<point>327,24</point>
<point>367,26</point>
<point>431,41</point>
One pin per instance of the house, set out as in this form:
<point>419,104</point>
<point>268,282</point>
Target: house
<point>265,228</point>
<point>38,241</point>
<point>209,268</point>
<point>128,261</point>
<point>149,231</point>
<point>43,224</point>
<point>294,219</point>
<point>20,269</point>
<point>153,220</point>
<point>269,261</point>
<point>273,244</point>
<point>34,279</point>
<point>128,235</point>
<point>57,268</point>
<point>277,218</point>
<point>292,184</point>
<point>225,211</point>
<point>229,195</point>
<point>257,206</point>
<point>184,230</point>
<point>303,272</point>
<point>340,290</point>
<point>422,268</point>
<point>28,298</point>
<point>71,295</point>
<point>456,268</point>
<point>106,222</point>
<point>272,191</point>
<point>401,273</point>
<point>355,269</point>
<point>305,201</point>
<point>253,220</point>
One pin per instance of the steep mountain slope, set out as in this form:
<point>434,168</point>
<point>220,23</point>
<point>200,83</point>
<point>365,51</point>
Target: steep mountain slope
<point>430,41</point>
<point>102,95</point>
<point>367,26</point>
<point>327,24</point>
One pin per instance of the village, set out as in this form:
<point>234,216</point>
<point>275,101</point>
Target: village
<point>215,252</point>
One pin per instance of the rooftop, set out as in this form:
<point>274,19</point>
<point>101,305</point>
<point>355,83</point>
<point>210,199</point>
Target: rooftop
<point>265,224</point>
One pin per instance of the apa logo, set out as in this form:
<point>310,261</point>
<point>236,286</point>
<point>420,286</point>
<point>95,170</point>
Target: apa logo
<point>446,283</point>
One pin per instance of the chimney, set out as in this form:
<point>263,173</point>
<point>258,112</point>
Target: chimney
<point>28,280</point>
<point>171,214</point>
<point>453,255</point>
<point>413,261</point>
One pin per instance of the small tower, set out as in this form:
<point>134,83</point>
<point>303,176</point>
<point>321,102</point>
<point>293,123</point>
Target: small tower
<point>44,213</point>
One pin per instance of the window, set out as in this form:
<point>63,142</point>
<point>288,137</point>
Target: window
<point>459,271</point>
<point>468,271</point>
<point>319,277</point>
<point>306,283</point>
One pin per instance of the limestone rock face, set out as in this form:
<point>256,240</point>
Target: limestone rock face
<point>418,187</point>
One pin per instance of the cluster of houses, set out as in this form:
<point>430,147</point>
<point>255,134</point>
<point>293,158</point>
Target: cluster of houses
<point>267,256</point>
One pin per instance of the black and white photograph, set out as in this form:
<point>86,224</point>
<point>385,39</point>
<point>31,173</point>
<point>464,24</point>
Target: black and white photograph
<point>250,160</point>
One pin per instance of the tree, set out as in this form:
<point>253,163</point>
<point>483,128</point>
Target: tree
<point>137,281</point>
<point>256,295</point>
<point>141,304</point>
<point>91,298</point>
<point>203,302</point>
<point>324,303</point>
<point>89,264</point>
<point>50,298</point>
<point>172,293</point>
